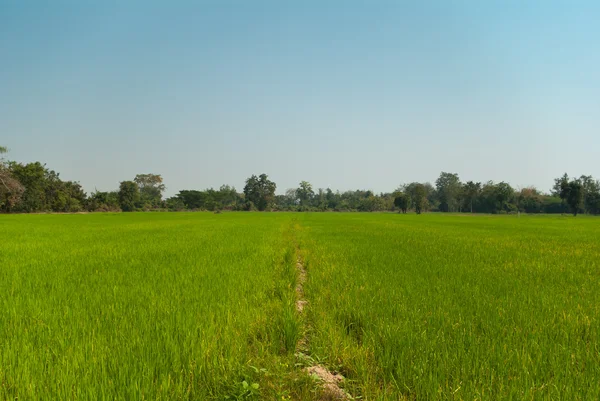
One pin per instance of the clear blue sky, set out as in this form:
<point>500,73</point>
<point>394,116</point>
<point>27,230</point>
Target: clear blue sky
<point>345,94</point>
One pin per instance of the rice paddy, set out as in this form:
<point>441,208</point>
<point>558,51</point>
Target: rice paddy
<point>194,306</point>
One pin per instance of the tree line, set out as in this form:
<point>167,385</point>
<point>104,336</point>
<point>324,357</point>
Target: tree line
<point>32,187</point>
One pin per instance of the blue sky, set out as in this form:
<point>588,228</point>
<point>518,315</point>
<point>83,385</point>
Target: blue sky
<point>344,94</point>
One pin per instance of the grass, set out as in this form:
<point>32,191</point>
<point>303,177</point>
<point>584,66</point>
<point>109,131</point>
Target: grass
<point>457,307</point>
<point>194,306</point>
<point>146,306</point>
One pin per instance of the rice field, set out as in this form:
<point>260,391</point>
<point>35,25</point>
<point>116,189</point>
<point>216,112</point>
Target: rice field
<point>457,307</point>
<point>199,306</point>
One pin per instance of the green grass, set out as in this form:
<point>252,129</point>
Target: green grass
<point>191,306</point>
<point>457,307</point>
<point>145,306</point>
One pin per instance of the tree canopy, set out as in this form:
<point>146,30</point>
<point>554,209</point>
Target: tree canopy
<point>33,187</point>
<point>259,192</point>
<point>151,189</point>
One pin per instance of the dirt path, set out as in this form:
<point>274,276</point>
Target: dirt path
<point>329,381</point>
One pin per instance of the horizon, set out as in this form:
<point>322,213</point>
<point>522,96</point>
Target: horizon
<point>343,95</point>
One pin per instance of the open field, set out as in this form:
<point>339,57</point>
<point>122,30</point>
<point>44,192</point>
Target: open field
<point>201,306</point>
<point>457,307</point>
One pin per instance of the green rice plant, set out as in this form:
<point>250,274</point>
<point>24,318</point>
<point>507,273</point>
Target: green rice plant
<point>144,306</point>
<point>200,306</point>
<point>456,307</point>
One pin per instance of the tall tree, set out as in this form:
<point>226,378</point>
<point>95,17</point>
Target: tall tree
<point>496,198</point>
<point>129,195</point>
<point>11,189</point>
<point>151,188</point>
<point>591,194</point>
<point>560,189</point>
<point>504,195</point>
<point>402,201</point>
<point>320,200</point>
<point>103,202</point>
<point>305,193</point>
<point>33,178</point>
<point>448,188</point>
<point>259,192</point>
<point>228,197</point>
<point>530,200</point>
<point>45,191</point>
<point>471,191</point>
<point>560,184</point>
<point>573,195</point>
<point>419,197</point>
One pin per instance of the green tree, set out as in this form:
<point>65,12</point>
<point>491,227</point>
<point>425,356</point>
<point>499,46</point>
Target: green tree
<point>332,199</point>
<point>560,184</point>
<point>573,195</point>
<point>419,198</point>
<point>103,202</point>
<point>259,192</point>
<point>402,202</point>
<point>320,200</point>
<point>591,194</point>
<point>45,191</point>
<point>228,197</point>
<point>371,203</point>
<point>496,198</point>
<point>129,195</point>
<point>471,191</point>
<point>530,200</point>
<point>151,189</point>
<point>192,199</point>
<point>305,193</point>
<point>448,188</point>
<point>175,204</point>
<point>504,197</point>
<point>11,189</point>
<point>560,189</point>
<point>32,177</point>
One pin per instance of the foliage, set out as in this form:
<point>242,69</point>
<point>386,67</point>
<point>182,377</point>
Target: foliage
<point>574,192</point>
<point>129,196</point>
<point>151,189</point>
<point>418,194</point>
<point>496,198</point>
<point>305,193</point>
<point>226,198</point>
<point>44,191</point>
<point>530,200</point>
<point>471,191</point>
<point>402,202</point>
<point>34,188</point>
<point>103,202</point>
<point>11,189</point>
<point>259,192</point>
<point>574,196</point>
<point>448,188</point>
<point>591,194</point>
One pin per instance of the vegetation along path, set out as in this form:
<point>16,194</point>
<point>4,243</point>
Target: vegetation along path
<point>265,306</point>
<point>330,382</point>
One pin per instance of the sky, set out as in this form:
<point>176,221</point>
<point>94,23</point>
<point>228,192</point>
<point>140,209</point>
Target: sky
<point>343,94</point>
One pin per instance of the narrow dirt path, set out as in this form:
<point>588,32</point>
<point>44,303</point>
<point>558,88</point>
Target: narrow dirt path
<point>300,302</point>
<point>329,381</point>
